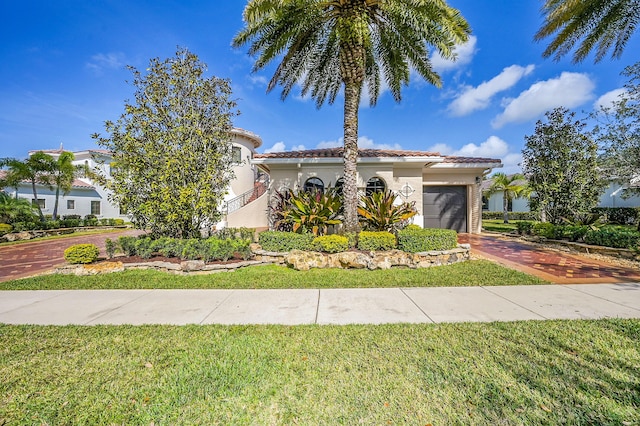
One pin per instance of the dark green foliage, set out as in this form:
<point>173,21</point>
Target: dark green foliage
<point>378,212</point>
<point>352,239</point>
<point>236,233</point>
<point>418,240</point>
<point>284,241</point>
<point>547,230</point>
<point>144,247</point>
<point>5,228</point>
<point>128,245</point>
<point>376,240</point>
<point>14,210</point>
<point>617,238</point>
<point>524,227</point>
<point>330,243</point>
<point>110,247</point>
<point>192,249</point>
<point>575,232</point>
<point>243,248</point>
<point>81,253</point>
<point>619,215</point>
<point>560,161</point>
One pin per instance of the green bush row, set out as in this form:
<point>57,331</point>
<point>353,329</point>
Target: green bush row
<point>5,228</point>
<point>65,223</point>
<point>487,215</point>
<point>607,236</point>
<point>619,215</point>
<point>209,249</point>
<point>412,239</point>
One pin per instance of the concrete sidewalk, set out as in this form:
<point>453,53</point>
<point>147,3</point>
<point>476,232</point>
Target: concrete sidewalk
<point>333,306</point>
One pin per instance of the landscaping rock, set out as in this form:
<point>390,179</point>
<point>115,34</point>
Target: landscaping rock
<point>192,265</point>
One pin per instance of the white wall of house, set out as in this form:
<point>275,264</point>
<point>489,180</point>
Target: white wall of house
<point>612,197</point>
<point>518,204</point>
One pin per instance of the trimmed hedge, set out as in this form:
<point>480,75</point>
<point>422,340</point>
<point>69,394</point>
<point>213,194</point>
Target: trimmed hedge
<point>376,240</point>
<point>619,215</point>
<point>81,253</point>
<point>613,238</point>
<point>429,239</point>
<point>487,215</point>
<point>5,228</point>
<point>284,241</point>
<point>330,243</point>
<point>209,249</point>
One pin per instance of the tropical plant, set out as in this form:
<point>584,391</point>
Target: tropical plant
<point>61,177</point>
<point>379,212</point>
<point>313,211</point>
<point>329,46</point>
<point>280,202</point>
<point>511,187</point>
<point>15,209</point>
<point>600,24</point>
<point>36,170</point>
<point>172,147</point>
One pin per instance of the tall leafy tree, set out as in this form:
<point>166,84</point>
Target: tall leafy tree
<point>172,147</point>
<point>560,163</point>
<point>511,186</point>
<point>589,24</point>
<point>618,132</point>
<point>36,170</point>
<point>329,46</point>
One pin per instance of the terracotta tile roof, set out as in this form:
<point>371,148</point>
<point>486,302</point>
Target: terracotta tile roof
<point>374,153</point>
<point>77,183</point>
<point>338,152</point>
<point>453,159</point>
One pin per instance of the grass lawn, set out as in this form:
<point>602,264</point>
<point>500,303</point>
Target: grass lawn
<point>536,372</point>
<point>498,225</point>
<point>471,273</point>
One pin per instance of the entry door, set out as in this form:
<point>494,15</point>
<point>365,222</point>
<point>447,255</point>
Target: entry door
<point>445,207</point>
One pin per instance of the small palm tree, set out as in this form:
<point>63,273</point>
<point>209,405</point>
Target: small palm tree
<point>62,176</point>
<point>36,170</point>
<point>600,24</point>
<point>15,209</point>
<point>329,46</point>
<point>511,187</point>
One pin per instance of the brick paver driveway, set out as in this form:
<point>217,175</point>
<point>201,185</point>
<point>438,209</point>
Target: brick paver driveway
<point>35,257</point>
<point>551,265</point>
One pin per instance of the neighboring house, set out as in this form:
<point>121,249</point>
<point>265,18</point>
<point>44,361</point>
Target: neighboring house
<point>88,197</point>
<point>445,189</point>
<point>611,197</point>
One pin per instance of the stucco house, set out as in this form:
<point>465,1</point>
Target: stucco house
<point>446,190</point>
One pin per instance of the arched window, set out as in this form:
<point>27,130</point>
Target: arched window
<point>375,184</point>
<point>313,184</point>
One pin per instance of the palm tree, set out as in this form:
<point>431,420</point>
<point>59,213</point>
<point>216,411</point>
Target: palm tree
<point>333,45</point>
<point>600,24</point>
<point>62,177</point>
<point>15,209</point>
<point>36,169</point>
<point>512,187</point>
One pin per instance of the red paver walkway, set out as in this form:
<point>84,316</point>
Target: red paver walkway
<point>35,257</point>
<point>553,266</point>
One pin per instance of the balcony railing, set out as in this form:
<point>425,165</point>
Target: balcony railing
<point>259,188</point>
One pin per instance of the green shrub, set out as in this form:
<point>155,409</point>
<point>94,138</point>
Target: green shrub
<point>487,215</point>
<point>524,227</point>
<point>312,212</point>
<point>575,232</point>
<point>168,247</point>
<point>243,248</point>
<point>284,241</point>
<point>379,212</point>
<point>330,243</point>
<point>81,253</point>
<point>620,215</point>
<point>110,247</point>
<point>352,238</point>
<point>192,249</point>
<point>235,233</point>
<point>372,241</point>
<point>118,222</point>
<point>71,216</point>
<point>616,238</point>
<point>127,245</point>
<point>5,228</point>
<point>70,223</point>
<point>544,229</point>
<point>428,239</point>
<point>144,247</point>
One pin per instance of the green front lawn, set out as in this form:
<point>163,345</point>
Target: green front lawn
<point>471,273</point>
<point>536,372</point>
<point>498,225</point>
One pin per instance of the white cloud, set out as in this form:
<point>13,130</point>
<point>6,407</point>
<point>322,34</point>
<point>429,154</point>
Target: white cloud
<point>511,164</point>
<point>493,147</point>
<point>441,148</point>
<point>569,90</point>
<point>464,54</point>
<point>476,98</point>
<point>277,147</point>
<point>607,100</point>
<point>298,148</point>
<point>363,143</point>
<point>102,61</point>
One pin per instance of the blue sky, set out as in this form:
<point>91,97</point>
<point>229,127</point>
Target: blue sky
<point>63,74</point>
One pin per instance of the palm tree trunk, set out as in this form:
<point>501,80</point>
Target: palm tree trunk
<point>55,205</point>
<point>505,208</point>
<point>35,197</point>
<point>350,187</point>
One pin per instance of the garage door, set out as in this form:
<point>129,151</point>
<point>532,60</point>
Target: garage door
<point>445,207</point>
